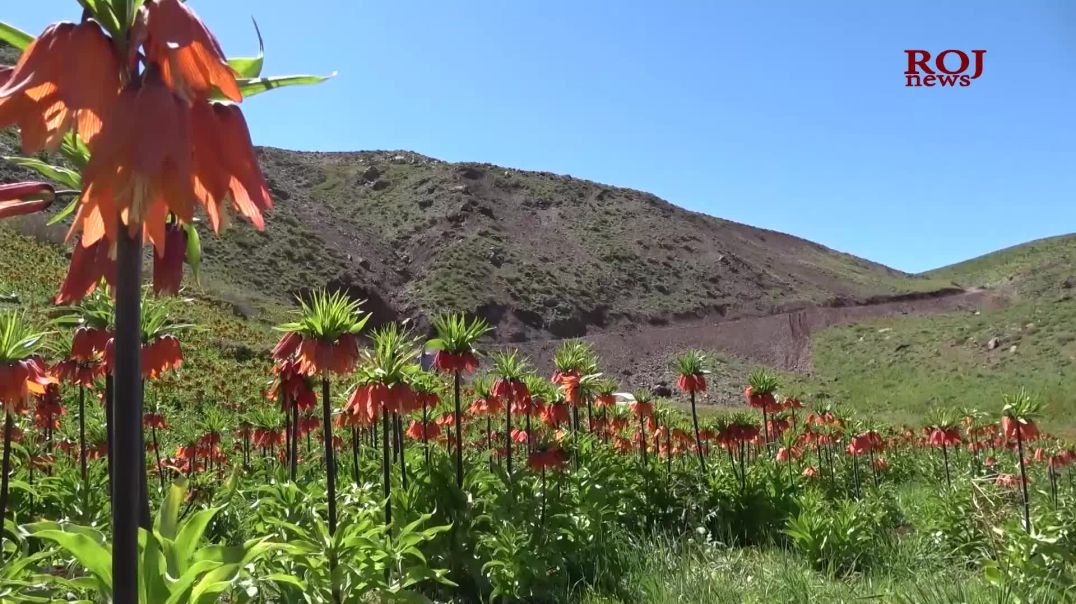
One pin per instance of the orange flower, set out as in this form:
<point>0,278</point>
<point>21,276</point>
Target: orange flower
<point>448,362</point>
<point>556,414</point>
<point>168,266</point>
<point>1028,429</point>
<point>160,355</point>
<point>141,168</point>
<point>225,166</point>
<point>810,472</point>
<point>68,78</point>
<point>89,265</point>
<point>415,431</point>
<point>339,356</point>
<point>89,342</point>
<point>553,458</point>
<point>154,420</point>
<point>691,383</point>
<point>190,58</point>
<point>20,379</point>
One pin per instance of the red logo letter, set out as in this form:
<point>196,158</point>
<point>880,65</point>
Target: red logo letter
<point>920,63</point>
<point>940,61</point>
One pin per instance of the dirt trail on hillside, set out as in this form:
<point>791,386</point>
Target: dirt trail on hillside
<point>781,340</point>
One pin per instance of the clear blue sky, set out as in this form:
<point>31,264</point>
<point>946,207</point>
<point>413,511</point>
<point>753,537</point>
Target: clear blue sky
<point>787,115</point>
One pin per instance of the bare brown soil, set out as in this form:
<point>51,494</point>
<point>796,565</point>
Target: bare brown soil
<point>642,356</point>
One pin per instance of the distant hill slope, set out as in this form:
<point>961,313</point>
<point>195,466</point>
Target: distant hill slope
<point>1038,267</point>
<point>540,255</point>
<point>901,367</point>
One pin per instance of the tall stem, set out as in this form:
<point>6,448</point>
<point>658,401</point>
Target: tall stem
<point>293,454</point>
<point>698,437</point>
<point>508,436</point>
<point>157,450</point>
<point>1023,477</point>
<point>386,465</point>
<point>945,457</point>
<point>4,468</point>
<point>82,436</point>
<point>355,453</point>
<point>642,439</point>
<point>459,433</point>
<point>425,436</point>
<point>403,451</point>
<point>126,429</point>
<point>330,462</point>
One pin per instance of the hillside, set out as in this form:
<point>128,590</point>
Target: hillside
<point>900,367</point>
<point>540,255</point>
<point>1038,268</point>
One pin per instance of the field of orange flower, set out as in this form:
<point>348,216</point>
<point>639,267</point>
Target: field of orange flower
<point>361,468</point>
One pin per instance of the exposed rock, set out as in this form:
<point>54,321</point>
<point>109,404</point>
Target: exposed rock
<point>993,343</point>
<point>371,174</point>
<point>1012,348</point>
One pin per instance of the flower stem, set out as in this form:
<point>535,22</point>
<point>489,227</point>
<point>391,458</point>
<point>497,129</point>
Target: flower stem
<point>126,428</point>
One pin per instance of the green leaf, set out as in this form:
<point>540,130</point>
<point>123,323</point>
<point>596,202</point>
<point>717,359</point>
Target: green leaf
<point>153,584</point>
<point>94,557</point>
<point>63,176</point>
<point>191,535</point>
<point>168,516</point>
<point>194,250</point>
<point>251,67</point>
<point>68,210</point>
<point>14,36</point>
<point>253,86</point>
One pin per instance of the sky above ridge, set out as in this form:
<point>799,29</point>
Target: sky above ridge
<point>787,115</point>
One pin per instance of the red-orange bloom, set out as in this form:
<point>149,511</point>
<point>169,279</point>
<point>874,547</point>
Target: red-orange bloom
<point>553,458</point>
<point>944,437</point>
<point>510,389</point>
<point>318,356</point>
<point>154,420</point>
<point>19,380</point>
<point>89,265</point>
<point>416,432</point>
<point>160,355</point>
<point>226,169</point>
<point>168,267</point>
<point>67,78</point>
<point>604,400</point>
<point>691,383</point>
<point>89,342</point>
<point>141,168</point>
<point>556,414</point>
<point>190,58</point>
<point>1028,429</point>
<point>79,373</point>
<point>451,362</point>
<point>765,401</point>
<point>810,472</point>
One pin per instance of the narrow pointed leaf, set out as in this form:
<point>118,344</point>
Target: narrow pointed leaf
<point>14,36</point>
<point>251,67</point>
<point>253,86</point>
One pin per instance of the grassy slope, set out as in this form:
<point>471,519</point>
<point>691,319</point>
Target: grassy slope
<point>221,366</point>
<point>899,368</point>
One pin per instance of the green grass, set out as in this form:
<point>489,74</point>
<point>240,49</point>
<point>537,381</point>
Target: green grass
<point>664,570</point>
<point>897,369</point>
<point>1034,269</point>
